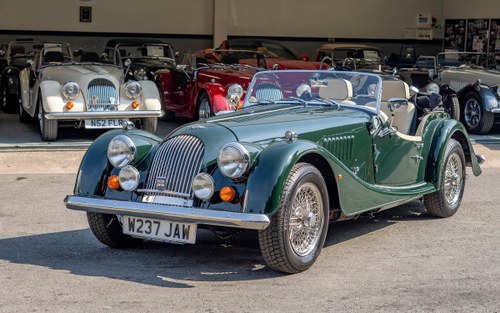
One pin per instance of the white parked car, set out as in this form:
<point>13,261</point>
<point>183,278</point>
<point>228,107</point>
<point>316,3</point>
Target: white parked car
<point>476,82</point>
<point>57,90</point>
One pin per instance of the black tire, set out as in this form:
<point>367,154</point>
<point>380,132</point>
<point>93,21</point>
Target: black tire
<point>108,230</point>
<point>150,124</point>
<point>203,108</point>
<point>446,201</point>
<point>277,244</point>
<point>474,117</point>
<point>452,107</point>
<point>48,128</point>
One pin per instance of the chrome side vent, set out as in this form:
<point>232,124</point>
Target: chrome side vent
<point>340,146</point>
<point>175,164</point>
<point>102,95</point>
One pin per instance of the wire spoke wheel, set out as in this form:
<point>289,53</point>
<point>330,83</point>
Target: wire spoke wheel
<point>453,180</point>
<point>295,237</point>
<point>306,219</point>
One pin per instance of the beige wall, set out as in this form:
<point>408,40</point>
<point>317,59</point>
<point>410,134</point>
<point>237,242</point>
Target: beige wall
<point>143,16</point>
<point>291,18</point>
<point>380,19</point>
<point>471,9</point>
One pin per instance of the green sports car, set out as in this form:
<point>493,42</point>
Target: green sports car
<point>302,149</point>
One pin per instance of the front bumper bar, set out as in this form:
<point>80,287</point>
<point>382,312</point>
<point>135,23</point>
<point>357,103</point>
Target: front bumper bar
<point>167,212</point>
<point>88,115</point>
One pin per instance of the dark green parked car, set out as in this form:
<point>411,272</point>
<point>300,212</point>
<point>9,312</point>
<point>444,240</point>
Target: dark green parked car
<point>303,149</point>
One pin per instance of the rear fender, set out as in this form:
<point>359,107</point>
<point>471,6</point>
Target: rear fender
<point>441,133</point>
<point>488,98</point>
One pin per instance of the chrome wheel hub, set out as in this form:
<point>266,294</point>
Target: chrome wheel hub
<point>472,113</point>
<point>306,219</point>
<point>453,181</point>
<point>204,110</point>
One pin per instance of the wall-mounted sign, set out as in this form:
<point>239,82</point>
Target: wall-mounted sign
<point>86,14</point>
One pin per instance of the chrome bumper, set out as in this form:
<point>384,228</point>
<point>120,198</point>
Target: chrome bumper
<point>88,115</point>
<point>166,212</point>
<point>495,110</point>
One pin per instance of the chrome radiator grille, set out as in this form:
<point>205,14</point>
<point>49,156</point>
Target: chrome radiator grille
<point>174,165</point>
<point>102,95</point>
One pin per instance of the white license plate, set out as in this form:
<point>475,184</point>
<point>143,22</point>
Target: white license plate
<point>105,123</point>
<point>159,230</point>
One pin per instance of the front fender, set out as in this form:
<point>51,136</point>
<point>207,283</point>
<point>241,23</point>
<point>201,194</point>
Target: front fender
<point>95,168</point>
<point>217,95</point>
<point>51,96</point>
<point>268,178</point>
<point>442,132</point>
<point>150,95</point>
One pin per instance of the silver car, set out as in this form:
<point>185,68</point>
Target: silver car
<point>57,90</point>
<point>476,82</point>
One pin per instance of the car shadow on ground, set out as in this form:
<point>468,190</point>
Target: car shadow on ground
<point>210,260</point>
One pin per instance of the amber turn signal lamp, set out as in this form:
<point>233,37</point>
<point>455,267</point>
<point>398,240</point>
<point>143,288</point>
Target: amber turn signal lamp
<point>69,105</point>
<point>227,194</point>
<point>113,182</point>
<point>135,104</point>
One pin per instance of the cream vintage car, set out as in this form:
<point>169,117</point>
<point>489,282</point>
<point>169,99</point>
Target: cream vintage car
<point>57,90</point>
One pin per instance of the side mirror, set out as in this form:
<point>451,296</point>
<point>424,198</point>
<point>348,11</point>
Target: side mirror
<point>304,57</point>
<point>177,55</point>
<point>395,103</point>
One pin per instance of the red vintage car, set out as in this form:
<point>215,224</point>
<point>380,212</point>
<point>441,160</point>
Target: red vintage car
<point>198,87</point>
<point>279,56</point>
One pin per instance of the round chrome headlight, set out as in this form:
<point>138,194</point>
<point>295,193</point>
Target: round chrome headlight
<point>432,88</point>
<point>233,160</point>
<point>234,94</point>
<point>121,151</point>
<point>140,74</point>
<point>70,90</point>
<point>129,178</point>
<point>133,89</point>
<point>203,186</point>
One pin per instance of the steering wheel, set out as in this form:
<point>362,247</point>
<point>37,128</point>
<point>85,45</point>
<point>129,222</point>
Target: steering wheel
<point>349,63</point>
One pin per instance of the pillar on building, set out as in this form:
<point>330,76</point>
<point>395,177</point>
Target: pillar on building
<point>220,21</point>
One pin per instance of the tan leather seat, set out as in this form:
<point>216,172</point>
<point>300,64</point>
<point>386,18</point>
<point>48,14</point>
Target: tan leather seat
<point>339,90</point>
<point>403,116</point>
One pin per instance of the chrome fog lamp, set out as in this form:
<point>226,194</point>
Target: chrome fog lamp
<point>203,186</point>
<point>70,90</point>
<point>133,89</point>
<point>303,88</point>
<point>432,88</point>
<point>234,94</point>
<point>121,151</point>
<point>233,160</point>
<point>129,178</point>
<point>140,74</point>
